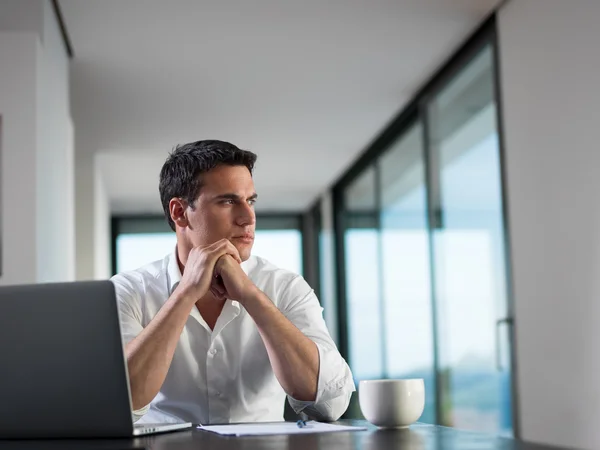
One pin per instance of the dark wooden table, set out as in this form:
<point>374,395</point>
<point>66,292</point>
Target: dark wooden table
<point>418,437</point>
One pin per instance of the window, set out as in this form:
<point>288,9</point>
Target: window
<point>405,266</point>
<point>135,250</point>
<point>362,270</point>
<point>469,243</point>
<point>422,250</point>
<point>281,247</point>
<point>139,241</point>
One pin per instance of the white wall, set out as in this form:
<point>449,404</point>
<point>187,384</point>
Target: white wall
<point>21,16</point>
<point>18,58</point>
<point>37,146</point>
<point>92,212</point>
<point>550,72</point>
<point>84,212</point>
<point>55,195</point>
<point>102,235</point>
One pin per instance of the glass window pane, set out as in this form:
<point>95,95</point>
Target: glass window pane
<point>138,249</point>
<point>405,265</point>
<point>469,242</point>
<point>328,269</point>
<point>363,298</point>
<point>281,247</point>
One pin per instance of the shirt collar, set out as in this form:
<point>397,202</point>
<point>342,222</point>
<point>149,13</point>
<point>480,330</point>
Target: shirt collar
<point>173,272</point>
<point>248,265</point>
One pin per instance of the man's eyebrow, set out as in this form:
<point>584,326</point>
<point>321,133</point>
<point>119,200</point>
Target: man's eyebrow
<point>227,197</point>
<point>234,197</point>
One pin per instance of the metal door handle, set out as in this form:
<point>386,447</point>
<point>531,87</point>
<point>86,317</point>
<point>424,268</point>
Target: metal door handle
<point>508,321</point>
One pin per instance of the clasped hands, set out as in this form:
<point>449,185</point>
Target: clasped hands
<point>216,268</point>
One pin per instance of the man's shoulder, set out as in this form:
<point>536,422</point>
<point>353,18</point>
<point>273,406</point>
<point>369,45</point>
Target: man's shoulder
<point>282,286</point>
<point>138,279</point>
<point>260,269</point>
<point>276,282</point>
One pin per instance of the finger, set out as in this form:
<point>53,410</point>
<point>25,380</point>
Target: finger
<point>225,247</point>
<point>216,249</point>
<point>217,244</point>
<point>218,268</point>
<point>233,251</point>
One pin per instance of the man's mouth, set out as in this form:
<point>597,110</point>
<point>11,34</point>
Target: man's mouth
<point>245,238</point>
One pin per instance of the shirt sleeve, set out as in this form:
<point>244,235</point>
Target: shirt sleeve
<point>130,319</point>
<point>335,382</point>
<point>129,306</point>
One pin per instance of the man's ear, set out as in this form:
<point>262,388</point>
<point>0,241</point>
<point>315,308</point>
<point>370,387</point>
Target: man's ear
<point>177,208</point>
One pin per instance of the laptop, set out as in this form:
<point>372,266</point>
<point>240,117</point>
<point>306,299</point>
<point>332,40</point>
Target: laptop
<point>64,373</point>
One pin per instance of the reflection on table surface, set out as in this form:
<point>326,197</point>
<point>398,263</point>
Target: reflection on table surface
<point>417,437</point>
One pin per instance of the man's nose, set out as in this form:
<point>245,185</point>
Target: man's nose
<point>247,216</point>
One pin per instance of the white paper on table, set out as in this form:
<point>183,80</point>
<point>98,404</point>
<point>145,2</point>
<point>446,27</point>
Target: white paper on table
<point>270,428</point>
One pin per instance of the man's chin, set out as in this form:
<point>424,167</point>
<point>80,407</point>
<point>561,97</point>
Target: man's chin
<point>244,251</point>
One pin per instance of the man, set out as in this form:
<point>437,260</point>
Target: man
<point>213,334</point>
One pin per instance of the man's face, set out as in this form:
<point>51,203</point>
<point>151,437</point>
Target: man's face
<point>224,209</point>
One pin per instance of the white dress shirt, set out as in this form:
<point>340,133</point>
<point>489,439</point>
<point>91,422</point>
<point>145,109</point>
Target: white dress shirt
<point>224,375</point>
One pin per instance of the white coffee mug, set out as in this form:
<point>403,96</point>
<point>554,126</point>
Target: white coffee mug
<point>392,403</point>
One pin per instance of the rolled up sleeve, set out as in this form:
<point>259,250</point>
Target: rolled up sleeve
<point>335,382</point>
<point>130,319</point>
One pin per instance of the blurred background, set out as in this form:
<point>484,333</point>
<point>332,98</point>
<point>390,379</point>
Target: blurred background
<point>429,166</point>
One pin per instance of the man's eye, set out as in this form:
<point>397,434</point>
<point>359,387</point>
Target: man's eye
<point>251,202</point>
<point>228,202</point>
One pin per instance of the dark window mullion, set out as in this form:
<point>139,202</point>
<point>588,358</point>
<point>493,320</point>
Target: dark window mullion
<point>433,205</point>
<point>380,280</point>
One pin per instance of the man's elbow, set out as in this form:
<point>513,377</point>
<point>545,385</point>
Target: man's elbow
<point>334,409</point>
<point>331,416</point>
<point>341,407</point>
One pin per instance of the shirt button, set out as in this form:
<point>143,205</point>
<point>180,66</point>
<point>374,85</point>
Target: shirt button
<point>213,351</point>
<point>217,393</point>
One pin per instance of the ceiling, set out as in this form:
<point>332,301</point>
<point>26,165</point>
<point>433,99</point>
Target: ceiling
<point>307,85</point>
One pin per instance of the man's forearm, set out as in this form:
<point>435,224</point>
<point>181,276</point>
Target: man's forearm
<point>294,357</point>
<point>149,355</point>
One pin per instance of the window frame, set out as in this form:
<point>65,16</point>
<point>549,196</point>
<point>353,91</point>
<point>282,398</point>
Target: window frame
<point>416,111</point>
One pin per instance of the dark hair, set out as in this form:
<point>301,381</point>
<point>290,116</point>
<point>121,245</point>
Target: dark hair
<point>180,176</point>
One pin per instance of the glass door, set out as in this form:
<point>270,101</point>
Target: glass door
<point>469,252</point>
